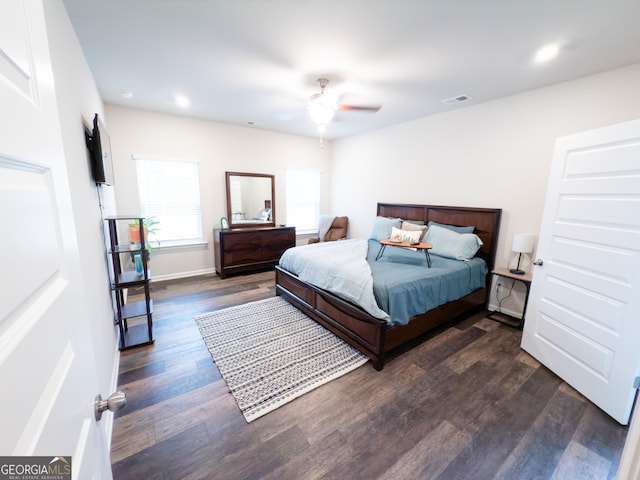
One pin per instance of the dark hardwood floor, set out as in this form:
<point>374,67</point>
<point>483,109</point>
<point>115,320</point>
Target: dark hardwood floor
<point>467,403</point>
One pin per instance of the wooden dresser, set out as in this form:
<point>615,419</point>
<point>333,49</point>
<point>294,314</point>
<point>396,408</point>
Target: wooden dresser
<point>249,249</point>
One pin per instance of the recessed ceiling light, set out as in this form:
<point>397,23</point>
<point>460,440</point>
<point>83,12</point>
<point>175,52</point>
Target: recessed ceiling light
<point>182,101</point>
<point>126,94</point>
<point>546,53</point>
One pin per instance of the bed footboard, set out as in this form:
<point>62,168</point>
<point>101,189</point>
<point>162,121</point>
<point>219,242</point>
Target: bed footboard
<point>371,336</point>
<point>350,323</point>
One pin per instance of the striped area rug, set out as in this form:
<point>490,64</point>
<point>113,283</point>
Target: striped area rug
<point>270,353</point>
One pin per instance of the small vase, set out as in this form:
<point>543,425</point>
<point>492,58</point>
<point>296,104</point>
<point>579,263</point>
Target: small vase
<point>138,261</point>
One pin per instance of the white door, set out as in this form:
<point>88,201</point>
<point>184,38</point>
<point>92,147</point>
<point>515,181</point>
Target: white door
<point>47,371</point>
<point>583,316</point>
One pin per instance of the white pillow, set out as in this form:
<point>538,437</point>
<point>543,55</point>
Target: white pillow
<point>412,236</point>
<point>412,226</point>
<point>447,243</point>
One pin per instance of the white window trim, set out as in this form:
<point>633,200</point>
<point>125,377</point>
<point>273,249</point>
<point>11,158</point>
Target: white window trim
<point>168,244</point>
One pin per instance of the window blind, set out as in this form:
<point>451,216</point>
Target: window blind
<point>303,200</point>
<point>169,191</point>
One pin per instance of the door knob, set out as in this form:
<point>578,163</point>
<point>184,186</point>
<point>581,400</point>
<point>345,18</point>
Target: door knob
<point>115,402</point>
<point>538,262</point>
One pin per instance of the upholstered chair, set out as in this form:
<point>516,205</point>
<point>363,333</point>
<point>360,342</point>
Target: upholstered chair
<point>337,231</point>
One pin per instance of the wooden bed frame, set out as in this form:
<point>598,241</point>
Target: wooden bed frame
<point>372,336</point>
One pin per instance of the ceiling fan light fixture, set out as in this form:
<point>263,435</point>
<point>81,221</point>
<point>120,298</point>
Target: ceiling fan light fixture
<point>322,108</point>
<point>320,113</point>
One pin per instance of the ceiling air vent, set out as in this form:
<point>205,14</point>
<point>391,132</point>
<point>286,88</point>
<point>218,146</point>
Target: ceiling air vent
<point>458,99</point>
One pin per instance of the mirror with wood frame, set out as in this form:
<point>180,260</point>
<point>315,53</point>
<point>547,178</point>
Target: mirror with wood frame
<point>250,200</point>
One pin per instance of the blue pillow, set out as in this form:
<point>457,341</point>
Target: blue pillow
<point>449,244</point>
<point>382,227</point>
<point>454,228</point>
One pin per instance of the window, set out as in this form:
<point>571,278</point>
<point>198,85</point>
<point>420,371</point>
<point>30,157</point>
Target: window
<point>170,192</point>
<point>303,200</point>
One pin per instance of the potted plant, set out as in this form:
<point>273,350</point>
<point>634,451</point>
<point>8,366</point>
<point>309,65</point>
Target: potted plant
<point>149,228</point>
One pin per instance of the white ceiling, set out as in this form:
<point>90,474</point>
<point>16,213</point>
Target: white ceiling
<point>258,60</point>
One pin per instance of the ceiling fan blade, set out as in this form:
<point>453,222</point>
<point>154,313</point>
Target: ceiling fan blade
<point>372,109</point>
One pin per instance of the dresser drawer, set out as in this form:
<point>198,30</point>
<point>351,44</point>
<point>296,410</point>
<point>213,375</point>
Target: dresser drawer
<point>274,245</point>
<point>240,249</point>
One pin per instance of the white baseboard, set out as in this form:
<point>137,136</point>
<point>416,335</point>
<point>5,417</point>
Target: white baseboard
<point>174,276</point>
<point>506,311</point>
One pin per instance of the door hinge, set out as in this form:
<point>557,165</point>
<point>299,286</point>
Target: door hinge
<point>636,382</point>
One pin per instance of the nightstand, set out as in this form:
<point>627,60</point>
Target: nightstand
<point>503,317</point>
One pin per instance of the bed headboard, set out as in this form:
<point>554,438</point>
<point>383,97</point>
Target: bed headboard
<point>485,220</point>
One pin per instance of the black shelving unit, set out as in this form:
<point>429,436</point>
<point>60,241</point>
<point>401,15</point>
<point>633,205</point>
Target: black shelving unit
<point>139,332</point>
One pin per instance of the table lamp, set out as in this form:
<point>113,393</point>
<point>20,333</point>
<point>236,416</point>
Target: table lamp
<point>521,243</point>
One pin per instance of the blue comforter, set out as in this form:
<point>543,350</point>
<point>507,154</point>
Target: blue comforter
<point>405,287</point>
<point>395,288</point>
<point>338,267</point>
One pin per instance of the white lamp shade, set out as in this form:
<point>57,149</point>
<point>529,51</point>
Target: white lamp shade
<point>522,242</point>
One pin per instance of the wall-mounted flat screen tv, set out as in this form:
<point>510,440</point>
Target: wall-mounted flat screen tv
<point>99,147</point>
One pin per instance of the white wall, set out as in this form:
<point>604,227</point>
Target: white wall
<point>218,148</point>
<point>495,154</point>
<point>78,101</point>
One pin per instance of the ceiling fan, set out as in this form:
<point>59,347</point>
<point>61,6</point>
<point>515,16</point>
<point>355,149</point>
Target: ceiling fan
<point>319,98</point>
<point>322,108</point>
